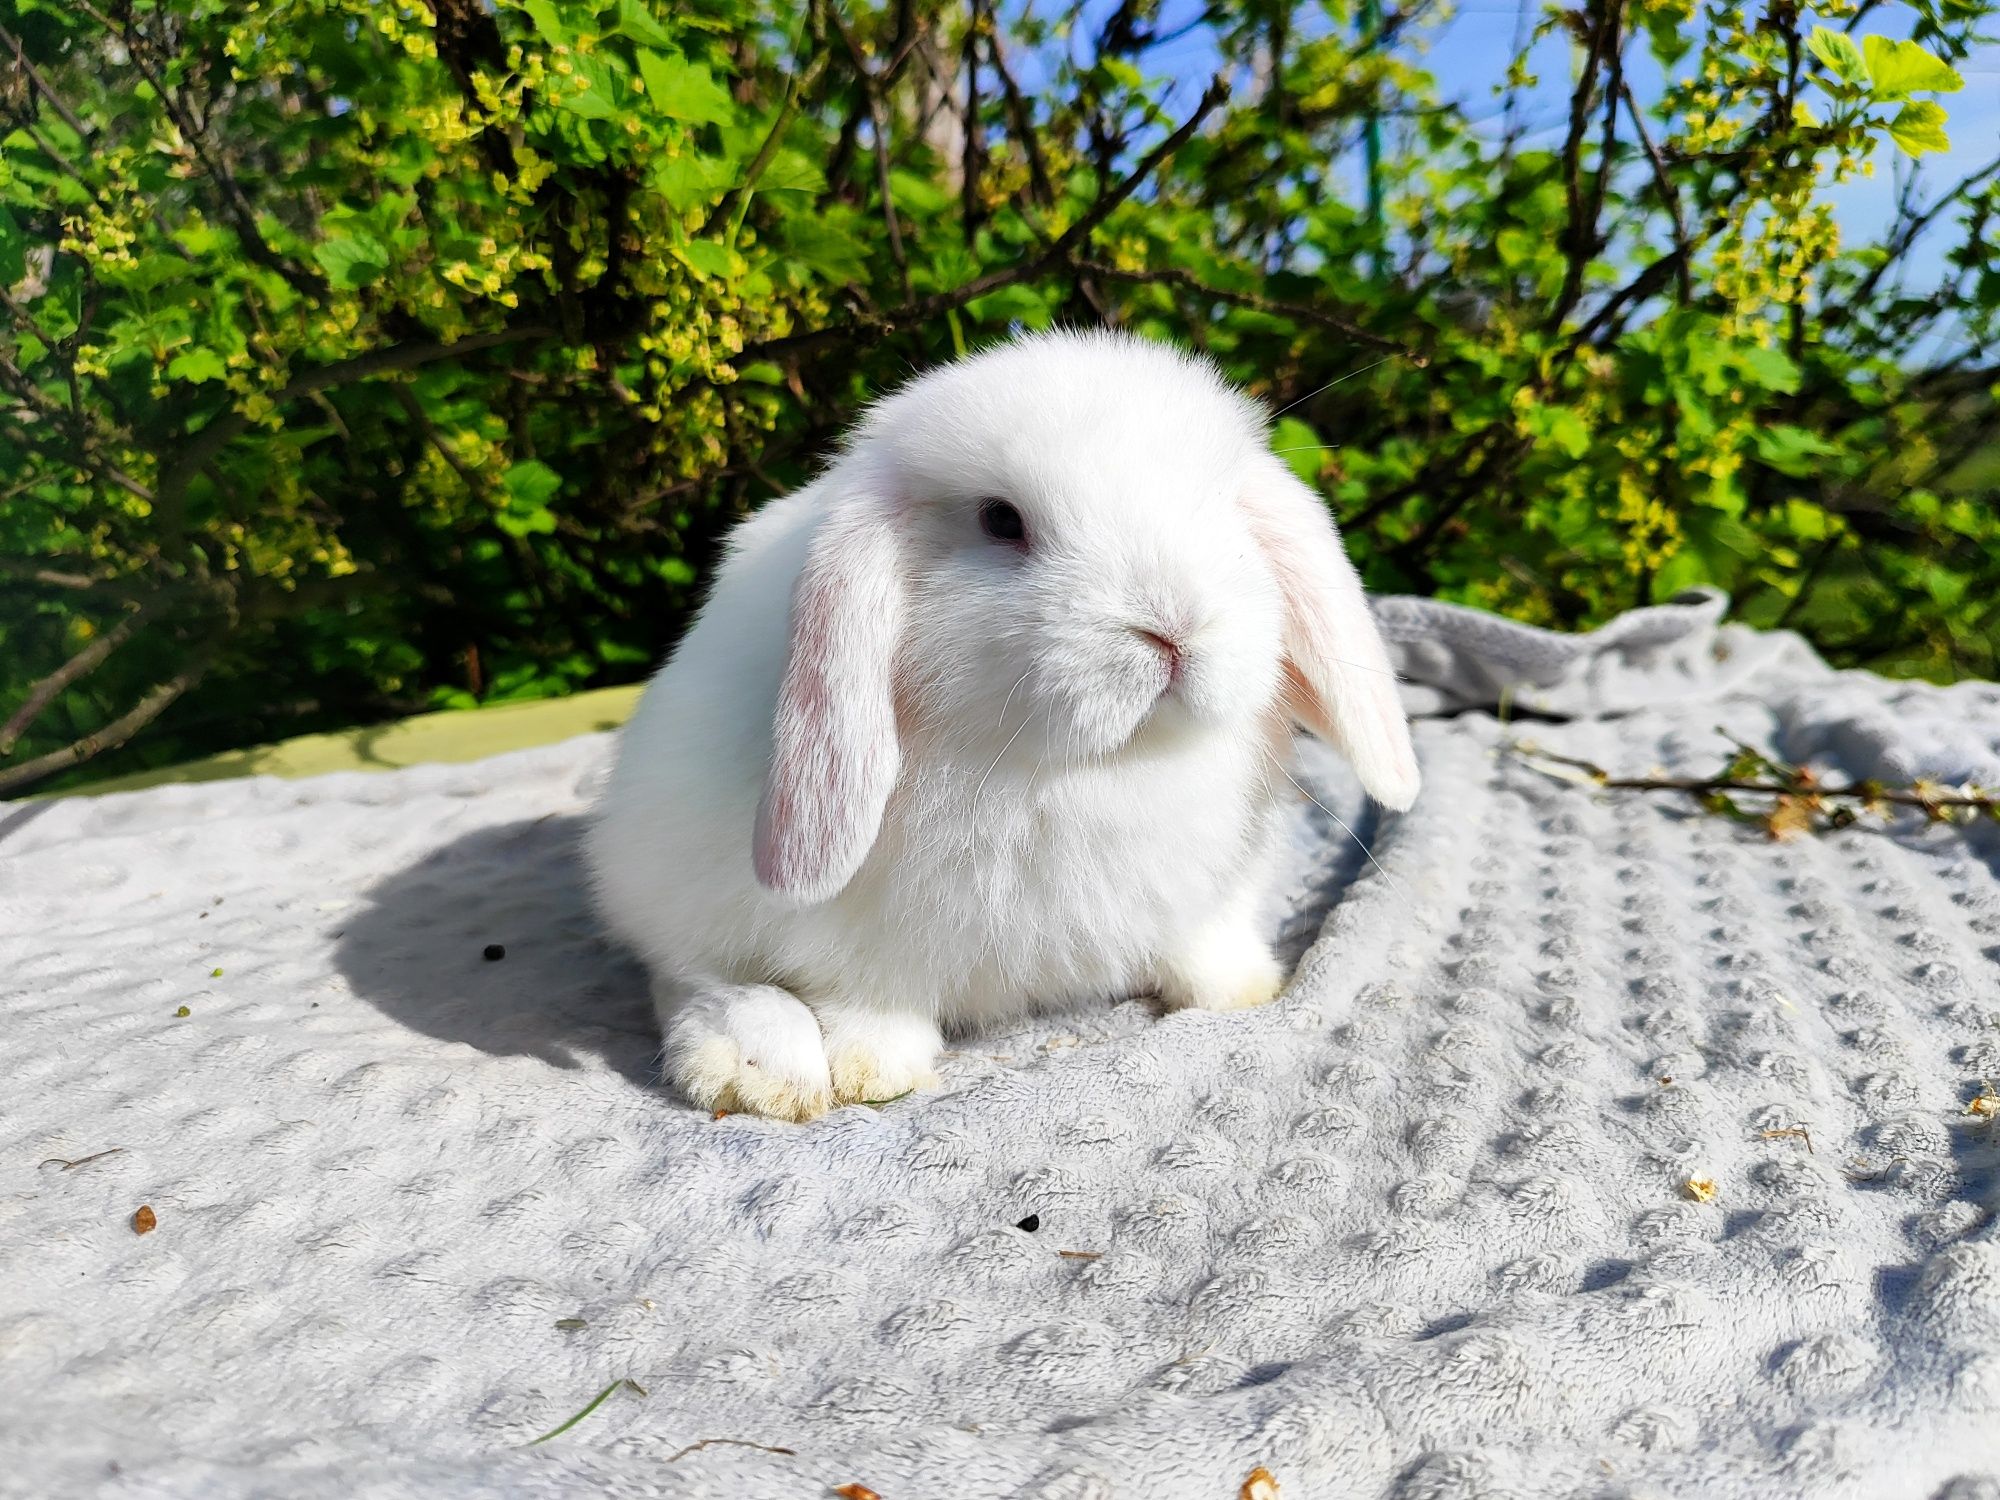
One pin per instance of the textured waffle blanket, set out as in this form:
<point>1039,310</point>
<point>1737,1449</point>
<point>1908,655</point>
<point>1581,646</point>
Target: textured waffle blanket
<point>1420,1229</point>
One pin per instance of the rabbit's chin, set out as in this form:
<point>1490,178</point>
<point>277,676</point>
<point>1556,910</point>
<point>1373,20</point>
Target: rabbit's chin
<point>1140,726</point>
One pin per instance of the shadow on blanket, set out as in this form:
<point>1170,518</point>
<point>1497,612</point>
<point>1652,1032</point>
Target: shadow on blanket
<point>567,994</point>
<point>562,993</point>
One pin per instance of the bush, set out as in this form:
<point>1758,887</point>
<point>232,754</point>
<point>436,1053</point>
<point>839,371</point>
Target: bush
<point>362,357</point>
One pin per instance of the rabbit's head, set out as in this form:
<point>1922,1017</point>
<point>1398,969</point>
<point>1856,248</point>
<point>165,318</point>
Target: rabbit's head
<point>1068,550</point>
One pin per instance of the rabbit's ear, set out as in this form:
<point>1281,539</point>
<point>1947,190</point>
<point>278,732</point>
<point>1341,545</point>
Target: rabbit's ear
<point>834,754</point>
<point>1338,680</point>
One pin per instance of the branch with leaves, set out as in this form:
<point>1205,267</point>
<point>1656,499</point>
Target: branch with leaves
<point>1783,799</point>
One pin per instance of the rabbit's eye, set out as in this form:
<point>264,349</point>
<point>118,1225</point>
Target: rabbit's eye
<point>1001,521</point>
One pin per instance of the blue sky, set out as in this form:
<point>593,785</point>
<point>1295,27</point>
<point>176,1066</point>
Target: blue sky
<point>1470,52</point>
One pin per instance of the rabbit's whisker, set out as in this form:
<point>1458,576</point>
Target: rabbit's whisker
<point>1359,667</point>
<point>1010,697</point>
<point>1332,383</point>
<point>1026,719</point>
<point>1394,884</point>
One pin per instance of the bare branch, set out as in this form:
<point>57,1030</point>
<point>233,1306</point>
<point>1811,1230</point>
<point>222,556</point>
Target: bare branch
<point>873,326</point>
<point>30,571</point>
<point>1022,120</point>
<point>878,118</point>
<point>1670,197</point>
<point>117,732</point>
<point>1304,312</point>
<point>41,84</point>
<point>81,665</point>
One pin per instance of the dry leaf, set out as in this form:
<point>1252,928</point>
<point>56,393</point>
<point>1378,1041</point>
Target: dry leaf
<point>1986,1106</point>
<point>1260,1485</point>
<point>1791,816</point>
<point>1701,1189</point>
<point>145,1221</point>
<point>855,1492</point>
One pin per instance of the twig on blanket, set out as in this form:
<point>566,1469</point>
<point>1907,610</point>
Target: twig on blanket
<point>729,1443</point>
<point>1789,1133</point>
<point>602,1397</point>
<point>1081,1254</point>
<point>71,1166</point>
<point>1799,801</point>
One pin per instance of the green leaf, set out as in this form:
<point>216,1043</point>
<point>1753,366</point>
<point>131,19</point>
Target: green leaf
<point>600,100</point>
<point>792,172</point>
<point>1791,450</point>
<point>197,365</point>
<point>1121,72</point>
<point>13,250</point>
<point>1518,248</point>
<point>689,180</point>
<point>827,245</point>
<point>707,258</point>
<point>1899,69</point>
<point>1560,426</point>
<point>637,22</point>
<point>352,260</point>
<point>1919,127</point>
<point>523,522</point>
<point>548,20</point>
<point>1837,51</point>
<point>1769,369</point>
<point>530,484</point>
<point>683,90</point>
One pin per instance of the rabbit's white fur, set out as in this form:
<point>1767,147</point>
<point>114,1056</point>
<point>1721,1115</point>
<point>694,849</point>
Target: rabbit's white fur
<point>902,776</point>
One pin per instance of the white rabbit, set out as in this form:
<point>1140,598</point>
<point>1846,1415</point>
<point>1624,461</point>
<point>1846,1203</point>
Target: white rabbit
<point>993,715</point>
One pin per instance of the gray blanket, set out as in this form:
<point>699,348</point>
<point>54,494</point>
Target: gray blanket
<point>1600,1147</point>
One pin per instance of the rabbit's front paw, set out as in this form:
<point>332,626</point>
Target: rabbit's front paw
<point>1224,970</point>
<point>749,1049</point>
<point>875,1056</point>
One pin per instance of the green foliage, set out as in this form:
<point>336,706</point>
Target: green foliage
<point>359,356</point>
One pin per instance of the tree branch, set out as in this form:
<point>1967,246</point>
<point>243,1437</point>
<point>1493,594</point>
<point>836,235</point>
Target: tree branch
<point>81,665</point>
<point>235,202</point>
<point>870,327</point>
<point>41,84</point>
<point>225,428</point>
<point>1303,312</point>
<point>878,118</point>
<point>1670,197</point>
<point>117,732</point>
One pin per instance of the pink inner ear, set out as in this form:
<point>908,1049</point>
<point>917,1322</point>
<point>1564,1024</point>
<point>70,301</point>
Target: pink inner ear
<point>1338,676</point>
<point>794,837</point>
<point>834,755</point>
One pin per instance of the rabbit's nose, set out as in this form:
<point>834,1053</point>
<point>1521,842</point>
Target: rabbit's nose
<point>1167,646</point>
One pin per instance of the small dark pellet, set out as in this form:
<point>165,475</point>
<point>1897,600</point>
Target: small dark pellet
<point>1031,1223</point>
<point>495,952</point>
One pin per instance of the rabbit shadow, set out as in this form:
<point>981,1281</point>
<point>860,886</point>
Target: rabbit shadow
<point>562,992</point>
<point>566,993</point>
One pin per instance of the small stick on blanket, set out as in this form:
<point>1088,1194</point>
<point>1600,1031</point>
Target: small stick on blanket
<point>1799,801</point>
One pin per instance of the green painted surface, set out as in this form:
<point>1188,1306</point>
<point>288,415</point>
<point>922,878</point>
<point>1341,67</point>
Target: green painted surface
<point>457,736</point>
